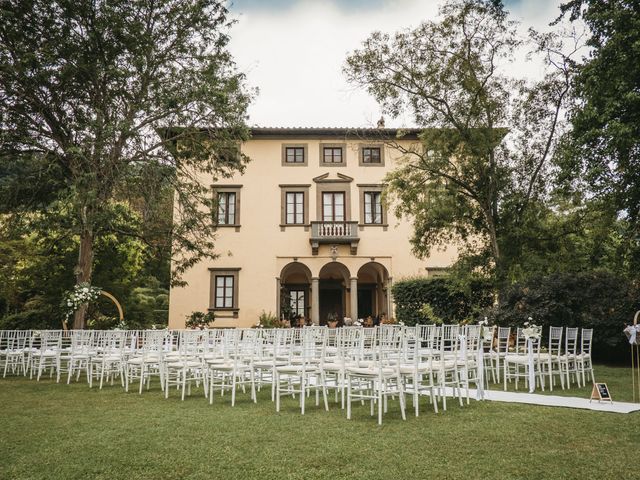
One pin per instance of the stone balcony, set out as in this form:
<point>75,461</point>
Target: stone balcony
<point>334,233</point>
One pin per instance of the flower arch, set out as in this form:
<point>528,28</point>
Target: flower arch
<point>85,293</point>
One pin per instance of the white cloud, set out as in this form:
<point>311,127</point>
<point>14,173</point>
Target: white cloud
<point>295,56</point>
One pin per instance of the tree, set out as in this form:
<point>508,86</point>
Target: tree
<point>85,87</point>
<point>602,154</point>
<point>481,165</point>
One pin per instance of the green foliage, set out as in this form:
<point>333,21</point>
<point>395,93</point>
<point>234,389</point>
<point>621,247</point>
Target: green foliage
<point>199,319</point>
<point>437,300</point>
<point>90,93</point>
<point>482,163</point>
<point>40,318</point>
<point>596,299</point>
<point>35,261</point>
<point>285,303</point>
<point>605,140</point>
<point>428,315</point>
<point>268,320</point>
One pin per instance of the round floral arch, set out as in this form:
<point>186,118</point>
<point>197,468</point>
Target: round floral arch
<point>85,293</point>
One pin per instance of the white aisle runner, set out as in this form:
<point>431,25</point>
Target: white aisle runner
<point>557,401</point>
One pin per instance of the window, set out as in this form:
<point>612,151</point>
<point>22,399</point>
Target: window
<point>294,208</point>
<point>224,291</point>
<point>297,303</point>
<point>333,207</point>
<point>371,155</point>
<point>226,208</point>
<point>226,205</point>
<point>294,154</point>
<point>372,207</point>
<point>372,211</point>
<point>332,154</point>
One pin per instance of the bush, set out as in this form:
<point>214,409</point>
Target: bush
<point>426,300</point>
<point>599,300</point>
<point>268,320</point>
<point>31,320</point>
<point>199,320</point>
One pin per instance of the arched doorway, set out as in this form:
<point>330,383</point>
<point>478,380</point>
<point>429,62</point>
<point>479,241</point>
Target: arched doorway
<point>294,296</point>
<point>334,278</point>
<point>373,294</point>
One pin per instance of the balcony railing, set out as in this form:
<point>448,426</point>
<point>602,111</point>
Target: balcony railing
<point>334,232</point>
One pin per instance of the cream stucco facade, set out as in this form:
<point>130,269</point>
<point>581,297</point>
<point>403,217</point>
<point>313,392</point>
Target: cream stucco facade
<point>335,260</point>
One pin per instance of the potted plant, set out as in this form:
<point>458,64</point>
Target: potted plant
<point>332,320</point>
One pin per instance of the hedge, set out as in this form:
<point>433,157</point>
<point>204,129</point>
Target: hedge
<point>600,300</point>
<point>597,299</point>
<point>447,299</point>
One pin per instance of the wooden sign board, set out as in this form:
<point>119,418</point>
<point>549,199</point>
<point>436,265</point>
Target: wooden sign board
<point>601,393</point>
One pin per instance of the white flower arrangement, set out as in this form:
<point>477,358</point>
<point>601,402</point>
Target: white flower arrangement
<point>123,326</point>
<point>347,321</point>
<point>401,323</point>
<point>358,322</point>
<point>633,333</point>
<point>531,330</point>
<point>485,332</point>
<point>81,294</point>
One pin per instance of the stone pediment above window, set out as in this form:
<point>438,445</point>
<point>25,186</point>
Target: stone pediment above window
<point>337,178</point>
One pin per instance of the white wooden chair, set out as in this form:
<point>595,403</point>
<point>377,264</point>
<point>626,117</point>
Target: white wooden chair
<point>551,361</point>
<point>347,352</point>
<point>381,379</point>
<point>79,356</point>
<point>14,351</point>
<point>503,339</point>
<point>235,369</point>
<point>416,368</point>
<point>446,364</point>
<point>146,362</point>
<point>108,362</point>
<point>469,357</point>
<point>516,364</point>
<point>585,364</point>
<point>186,366</point>
<point>302,374</point>
<point>569,359</point>
<point>47,353</point>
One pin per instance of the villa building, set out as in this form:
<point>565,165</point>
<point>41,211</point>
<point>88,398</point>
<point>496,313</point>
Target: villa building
<point>306,221</point>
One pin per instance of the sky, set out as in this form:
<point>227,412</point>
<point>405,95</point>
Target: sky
<point>293,51</point>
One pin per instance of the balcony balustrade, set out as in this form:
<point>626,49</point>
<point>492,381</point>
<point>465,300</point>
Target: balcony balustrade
<point>335,233</point>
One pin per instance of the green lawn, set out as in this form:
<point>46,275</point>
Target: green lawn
<point>50,431</point>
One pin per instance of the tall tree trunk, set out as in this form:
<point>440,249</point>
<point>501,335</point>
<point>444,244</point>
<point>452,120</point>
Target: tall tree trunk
<point>83,271</point>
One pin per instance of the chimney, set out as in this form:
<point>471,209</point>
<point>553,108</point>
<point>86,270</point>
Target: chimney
<point>381,122</point>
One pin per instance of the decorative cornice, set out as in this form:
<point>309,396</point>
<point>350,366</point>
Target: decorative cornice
<point>325,179</point>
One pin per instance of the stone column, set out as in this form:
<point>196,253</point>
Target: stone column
<point>278,298</point>
<point>390,313</point>
<point>354,299</point>
<point>315,301</point>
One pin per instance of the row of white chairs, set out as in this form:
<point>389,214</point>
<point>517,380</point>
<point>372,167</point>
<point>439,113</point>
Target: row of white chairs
<point>358,364</point>
<point>565,357</point>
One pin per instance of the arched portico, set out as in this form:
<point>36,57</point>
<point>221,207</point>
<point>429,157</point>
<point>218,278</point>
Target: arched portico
<point>333,285</point>
<point>293,288</point>
<point>373,287</point>
<point>348,286</point>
